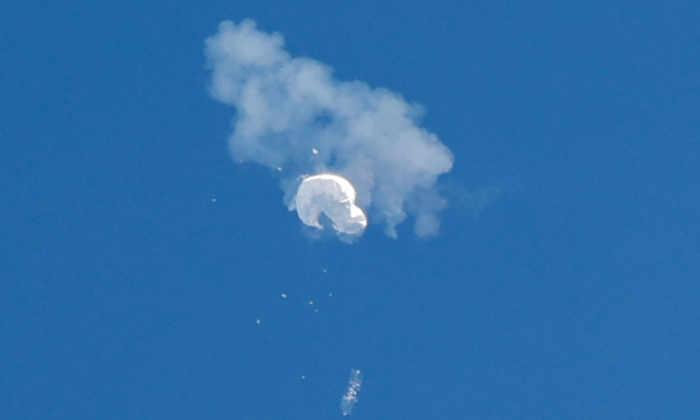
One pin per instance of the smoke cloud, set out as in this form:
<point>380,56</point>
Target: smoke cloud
<point>294,117</point>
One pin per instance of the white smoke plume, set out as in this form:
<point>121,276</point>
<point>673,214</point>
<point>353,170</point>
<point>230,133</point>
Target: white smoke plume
<point>294,117</point>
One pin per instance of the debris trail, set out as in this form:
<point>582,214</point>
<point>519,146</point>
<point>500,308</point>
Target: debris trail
<point>347,403</point>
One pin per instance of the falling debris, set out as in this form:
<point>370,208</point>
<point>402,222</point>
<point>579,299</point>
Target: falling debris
<point>347,403</point>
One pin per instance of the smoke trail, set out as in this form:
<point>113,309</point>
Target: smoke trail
<point>294,117</point>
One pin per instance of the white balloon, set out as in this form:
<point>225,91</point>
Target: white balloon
<point>334,196</point>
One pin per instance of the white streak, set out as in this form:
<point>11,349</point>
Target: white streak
<point>347,403</point>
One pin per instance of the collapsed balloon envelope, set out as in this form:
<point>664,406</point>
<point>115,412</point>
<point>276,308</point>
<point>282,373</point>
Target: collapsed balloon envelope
<point>334,196</point>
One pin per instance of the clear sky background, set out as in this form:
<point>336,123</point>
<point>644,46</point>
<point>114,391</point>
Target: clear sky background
<point>136,257</point>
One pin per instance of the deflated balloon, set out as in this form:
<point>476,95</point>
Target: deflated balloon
<point>334,196</point>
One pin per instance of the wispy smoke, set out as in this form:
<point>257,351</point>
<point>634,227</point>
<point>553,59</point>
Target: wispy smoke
<point>295,118</point>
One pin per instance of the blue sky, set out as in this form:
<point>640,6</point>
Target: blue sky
<point>136,256</point>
